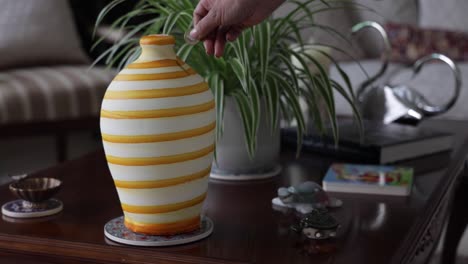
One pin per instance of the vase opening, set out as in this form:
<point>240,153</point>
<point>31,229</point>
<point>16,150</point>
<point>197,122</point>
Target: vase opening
<point>157,39</point>
<point>157,47</point>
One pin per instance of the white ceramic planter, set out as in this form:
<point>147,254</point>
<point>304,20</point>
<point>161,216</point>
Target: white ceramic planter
<point>157,125</point>
<point>233,162</point>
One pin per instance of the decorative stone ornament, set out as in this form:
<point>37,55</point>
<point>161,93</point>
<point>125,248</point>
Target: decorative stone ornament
<point>157,125</point>
<point>304,198</point>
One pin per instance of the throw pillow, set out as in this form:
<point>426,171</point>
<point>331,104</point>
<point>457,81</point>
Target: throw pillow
<point>39,32</point>
<point>409,43</point>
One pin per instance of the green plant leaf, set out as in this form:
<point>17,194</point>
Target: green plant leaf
<point>342,73</point>
<point>109,53</point>
<point>245,40</point>
<point>128,37</point>
<point>122,53</point>
<point>290,67</point>
<point>349,55</point>
<point>120,23</point>
<point>272,99</point>
<point>351,101</point>
<point>104,12</point>
<point>324,83</point>
<point>256,113</point>
<point>244,108</point>
<point>219,99</point>
<point>240,71</point>
<point>184,51</point>
<point>292,98</point>
<point>171,20</point>
<point>282,22</point>
<point>323,87</point>
<point>262,40</point>
<point>331,114</point>
<point>131,56</point>
<point>313,103</point>
<point>325,3</point>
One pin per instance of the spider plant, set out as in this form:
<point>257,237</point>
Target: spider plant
<point>256,67</point>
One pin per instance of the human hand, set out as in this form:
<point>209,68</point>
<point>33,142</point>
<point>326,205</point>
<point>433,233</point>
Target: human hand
<point>218,21</point>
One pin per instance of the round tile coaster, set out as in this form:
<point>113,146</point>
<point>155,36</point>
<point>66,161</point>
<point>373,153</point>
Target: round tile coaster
<point>115,230</point>
<point>16,209</point>
<point>33,220</point>
<point>246,177</point>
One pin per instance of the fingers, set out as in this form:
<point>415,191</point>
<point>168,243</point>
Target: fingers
<point>208,27</point>
<point>209,44</point>
<point>199,12</point>
<point>220,43</point>
<point>215,43</point>
<point>206,21</point>
<point>233,33</point>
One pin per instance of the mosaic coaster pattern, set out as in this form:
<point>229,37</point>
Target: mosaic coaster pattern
<point>16,209</point>
<point>115,230</point>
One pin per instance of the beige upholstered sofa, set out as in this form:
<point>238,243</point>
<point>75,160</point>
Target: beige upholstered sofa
<point>46,83</point>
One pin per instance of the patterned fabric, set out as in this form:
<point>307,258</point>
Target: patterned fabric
<point>51,93</point>
<point>410,43</point>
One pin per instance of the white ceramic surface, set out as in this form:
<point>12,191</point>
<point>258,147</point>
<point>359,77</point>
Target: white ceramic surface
<point>233,161</point>
<point>157,124</point>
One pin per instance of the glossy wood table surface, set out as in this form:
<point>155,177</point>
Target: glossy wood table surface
<point>374,229</point>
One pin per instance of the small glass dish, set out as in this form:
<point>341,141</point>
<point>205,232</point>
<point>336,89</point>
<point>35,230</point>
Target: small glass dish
<point>35,192</point>
<point>188,39</point>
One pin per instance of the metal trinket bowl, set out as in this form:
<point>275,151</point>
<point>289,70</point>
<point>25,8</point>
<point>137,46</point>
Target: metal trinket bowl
<point>318,224</point>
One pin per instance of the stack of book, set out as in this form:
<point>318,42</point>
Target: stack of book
<point>375,144</point>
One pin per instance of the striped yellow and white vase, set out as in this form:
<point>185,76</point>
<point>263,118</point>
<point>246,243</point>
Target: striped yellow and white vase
<point>157,125</point>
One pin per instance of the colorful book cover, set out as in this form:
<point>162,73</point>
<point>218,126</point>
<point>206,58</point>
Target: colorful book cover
<point>369,175</point>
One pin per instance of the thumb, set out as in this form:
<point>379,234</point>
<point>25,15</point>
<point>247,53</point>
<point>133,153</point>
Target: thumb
<point>206,25</point>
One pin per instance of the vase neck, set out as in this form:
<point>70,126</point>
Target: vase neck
<point>157,47</point>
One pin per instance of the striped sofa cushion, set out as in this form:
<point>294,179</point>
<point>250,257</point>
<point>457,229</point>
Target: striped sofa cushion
<point>52,93</point>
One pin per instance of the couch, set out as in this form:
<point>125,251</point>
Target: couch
<point>46,83</point>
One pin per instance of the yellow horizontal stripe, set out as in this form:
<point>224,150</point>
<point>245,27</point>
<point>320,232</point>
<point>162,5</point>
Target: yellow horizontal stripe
<point>160,160</point>
<point>158,93</point>
<point>156,64</point>
<point>170,112</point>
<point>162,183</point>
<point>183,226</point>
<point>157,40</point>
<point>154,76</point>
<point>159,137</point>
<point>159,209</point>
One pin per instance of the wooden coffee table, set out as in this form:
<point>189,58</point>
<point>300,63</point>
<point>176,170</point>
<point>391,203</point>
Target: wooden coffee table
<point>374,229</point>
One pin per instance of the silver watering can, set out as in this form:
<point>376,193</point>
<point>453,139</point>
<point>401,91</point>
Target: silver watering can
<point>400,103</point>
